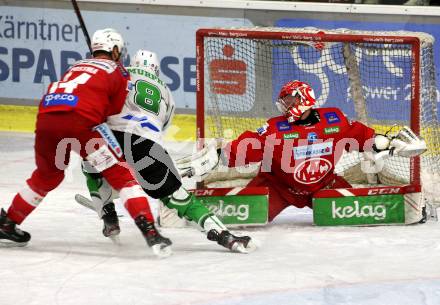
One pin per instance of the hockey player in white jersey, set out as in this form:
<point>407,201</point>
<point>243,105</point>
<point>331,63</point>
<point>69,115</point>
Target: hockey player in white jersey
<point>147,112</point>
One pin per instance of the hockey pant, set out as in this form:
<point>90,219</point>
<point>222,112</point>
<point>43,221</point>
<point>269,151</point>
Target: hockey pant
<point>56,135</point>
<point>281,196</point>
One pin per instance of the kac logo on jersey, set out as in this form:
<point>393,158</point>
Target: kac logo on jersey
<point>312,137</point>
<point>312,170</point>
<point>332,117</point>
<point>284,126</point>
<point>57,99</point>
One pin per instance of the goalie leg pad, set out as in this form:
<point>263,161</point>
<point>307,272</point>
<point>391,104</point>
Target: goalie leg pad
<point>385,205</point>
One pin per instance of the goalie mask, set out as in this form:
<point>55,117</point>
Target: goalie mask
<point>294,99</point>
<point>146,59</point>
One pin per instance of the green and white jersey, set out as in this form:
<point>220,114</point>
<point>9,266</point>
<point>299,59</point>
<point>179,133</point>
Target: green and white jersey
<point>149,107</point>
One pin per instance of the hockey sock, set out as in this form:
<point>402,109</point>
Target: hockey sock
<point>23,204</point>
<point>180,200</point>
<point>100,191</point>
<point>189,207</point>
<point>212,222</point>
<point>136,202</point>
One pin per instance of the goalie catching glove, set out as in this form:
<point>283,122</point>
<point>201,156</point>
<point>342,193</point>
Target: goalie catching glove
<point>199,164</point>
<point>405,144</point>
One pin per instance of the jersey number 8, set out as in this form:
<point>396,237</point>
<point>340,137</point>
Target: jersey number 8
<point>147,96</point>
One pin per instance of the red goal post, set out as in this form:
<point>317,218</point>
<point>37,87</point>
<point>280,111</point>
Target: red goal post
<point>348,69</point>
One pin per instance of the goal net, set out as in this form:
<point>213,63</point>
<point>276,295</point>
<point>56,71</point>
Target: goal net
<point>383,79</point>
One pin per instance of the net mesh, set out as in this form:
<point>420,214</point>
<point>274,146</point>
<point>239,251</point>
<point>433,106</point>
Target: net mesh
<point>369,81</point>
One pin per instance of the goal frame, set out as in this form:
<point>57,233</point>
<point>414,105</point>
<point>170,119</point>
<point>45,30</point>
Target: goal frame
<point>321,36</point>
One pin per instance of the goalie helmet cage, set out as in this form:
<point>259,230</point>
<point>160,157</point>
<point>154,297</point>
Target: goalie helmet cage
<point>383,79</point>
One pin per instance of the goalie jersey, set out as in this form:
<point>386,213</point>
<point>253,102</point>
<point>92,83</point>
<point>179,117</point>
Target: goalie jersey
<point>301,156</point>
<point>149,106</point>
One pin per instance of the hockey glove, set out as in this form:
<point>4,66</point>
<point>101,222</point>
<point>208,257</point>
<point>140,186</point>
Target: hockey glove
<point>199,164</point>
<point>404,144</point>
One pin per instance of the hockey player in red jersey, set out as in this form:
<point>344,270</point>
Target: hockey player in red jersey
<point>71,117</point>
<point>298,150</point>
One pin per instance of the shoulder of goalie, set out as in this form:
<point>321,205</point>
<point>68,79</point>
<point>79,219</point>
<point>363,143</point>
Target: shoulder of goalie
<point>201,163</point>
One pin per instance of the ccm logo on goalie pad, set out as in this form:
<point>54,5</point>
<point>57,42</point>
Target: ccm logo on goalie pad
<point>102,159</point>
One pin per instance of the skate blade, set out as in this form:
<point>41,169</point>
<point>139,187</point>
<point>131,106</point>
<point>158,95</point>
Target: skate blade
<point>4,243</point>
<point>240,248</point>
<point>162,251</point>
<point>115,239</point>
<point>432,212</point>
<point>251,246</point>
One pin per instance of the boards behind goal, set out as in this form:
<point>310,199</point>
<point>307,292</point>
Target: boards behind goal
<point>383,79</point>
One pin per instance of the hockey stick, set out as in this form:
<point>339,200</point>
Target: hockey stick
<point>82,24</point>
<point>84,201</point>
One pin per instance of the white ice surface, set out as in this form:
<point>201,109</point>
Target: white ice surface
<point>68,261</point>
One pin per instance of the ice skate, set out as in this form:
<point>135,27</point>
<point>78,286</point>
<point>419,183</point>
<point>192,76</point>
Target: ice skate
<point>111,221</point>
<point>241,244</point>
<point>161,245</point>
<point>10,234</point>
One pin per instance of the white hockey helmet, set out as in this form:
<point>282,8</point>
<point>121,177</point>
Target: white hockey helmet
<point>147,59</point>
<point>106,40</point>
